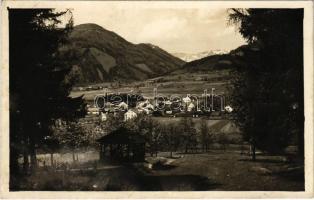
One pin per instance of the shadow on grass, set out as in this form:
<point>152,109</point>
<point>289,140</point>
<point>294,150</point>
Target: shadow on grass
<point>173,182</point>
<point>293,174</point>
<point>163,167</point>
<point>177,183</point>
<point>216,151</point>
<point>261,160</point>
<point>187,153</point>
<point>126,178</point>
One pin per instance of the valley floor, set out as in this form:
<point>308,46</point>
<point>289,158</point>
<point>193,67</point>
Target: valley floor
<point>215,170</point>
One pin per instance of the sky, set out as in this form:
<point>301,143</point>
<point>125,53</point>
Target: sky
<point>176,29</point>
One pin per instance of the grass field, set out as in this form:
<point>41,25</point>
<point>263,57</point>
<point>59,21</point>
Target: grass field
<point>172,84</point>
<point>216,170</point>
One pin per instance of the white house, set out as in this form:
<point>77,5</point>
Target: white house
<point>93,110</point>
<point>103,116</point>
<point>145,106</point>
<point>129,115</point>
<point>191,106</point>
<point>229,109</point>
<point>168,102</point>
<point>123,106</point>
<point>146,110</point>
<point>186,99</point>
<point>149,106</point>
<point>169,112</point>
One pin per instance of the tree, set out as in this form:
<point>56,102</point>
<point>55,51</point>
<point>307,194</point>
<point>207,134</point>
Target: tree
<point>223,139</point>
<point>51,144</point>
<point>171,137</point>
<point>72,136</point>
<point>206,135</point>
<point>150,129</point>
<point>155,139</point>
<point>40,80</point>
<point>268,83</point>
<point>188,132</point>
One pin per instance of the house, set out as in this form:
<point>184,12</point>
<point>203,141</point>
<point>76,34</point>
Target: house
<point>145,106</point>
<point>191,107</point>
<point>108,107</point>
<point>129,115</point>
<point>146,110</point>
<point>103,116</point>
<point>93,110</point>
<point>169,112</point>
<point>149,106</point>
<point>123,106</point>
<point>229,109</point>
<point>168,102</point>
<point>186,100</point>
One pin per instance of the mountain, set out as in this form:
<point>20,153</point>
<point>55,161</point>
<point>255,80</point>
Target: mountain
<point>215,71</point>
<point>209,63</point>
<point>218,61</point>
<point>188,57</point>
<point>99,55</point>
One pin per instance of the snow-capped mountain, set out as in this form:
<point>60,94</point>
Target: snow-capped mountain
<point>188,57</point>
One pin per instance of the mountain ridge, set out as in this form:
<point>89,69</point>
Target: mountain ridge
<point>100,55</point>
<point>188,57</point>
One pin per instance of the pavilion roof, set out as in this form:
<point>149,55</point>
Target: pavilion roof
<point>122,136</point>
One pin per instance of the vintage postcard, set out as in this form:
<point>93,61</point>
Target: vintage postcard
<point>156,99</point>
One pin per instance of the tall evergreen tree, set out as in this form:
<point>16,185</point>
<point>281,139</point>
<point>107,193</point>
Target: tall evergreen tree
<point>40,79</point>
<point>268,84</point>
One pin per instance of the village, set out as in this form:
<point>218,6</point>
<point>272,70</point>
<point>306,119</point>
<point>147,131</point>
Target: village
<point>130,105</point>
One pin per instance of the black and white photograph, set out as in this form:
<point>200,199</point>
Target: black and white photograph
<point>130,96</point>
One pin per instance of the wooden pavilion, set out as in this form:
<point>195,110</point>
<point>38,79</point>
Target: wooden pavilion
<point>122,145</point>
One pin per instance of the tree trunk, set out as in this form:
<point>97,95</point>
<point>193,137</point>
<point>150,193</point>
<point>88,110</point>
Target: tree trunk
<point>14,163</point>
<point>171,154</point>
<point>128,151</point>
<point>33,156</point>
<point>25,162</point>
<point>253,153</point>
<point>25,155</point>
<point>51,159</point>
<point>73,156</point>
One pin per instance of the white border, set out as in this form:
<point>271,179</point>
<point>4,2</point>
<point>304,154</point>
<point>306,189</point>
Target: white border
<point>308,97</point>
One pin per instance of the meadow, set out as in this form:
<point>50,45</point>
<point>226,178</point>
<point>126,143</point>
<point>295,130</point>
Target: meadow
<point>171,84</point>
<point>216,170</point>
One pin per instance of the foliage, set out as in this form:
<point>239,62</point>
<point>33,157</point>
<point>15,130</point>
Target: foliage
<point>188,133</point>
<point>206,135</point>
<point>150,129</point>
<point>40,80</point>
<point>267,91</point>
<point>72,136</point>
<point>171,137</point>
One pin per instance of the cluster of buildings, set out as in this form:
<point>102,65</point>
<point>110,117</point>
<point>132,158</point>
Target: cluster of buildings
<point>128,111</point>
<point>162,106</point>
